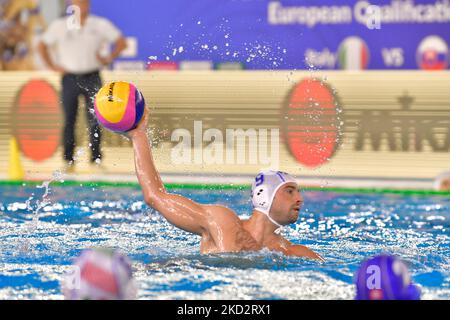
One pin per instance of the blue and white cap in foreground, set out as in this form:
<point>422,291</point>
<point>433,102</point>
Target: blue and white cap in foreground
<point>265,187</point>
<point>385,277</point>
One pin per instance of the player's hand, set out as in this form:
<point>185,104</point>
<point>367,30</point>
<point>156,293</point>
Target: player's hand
<point>319,257</point>
<point>142,126</point>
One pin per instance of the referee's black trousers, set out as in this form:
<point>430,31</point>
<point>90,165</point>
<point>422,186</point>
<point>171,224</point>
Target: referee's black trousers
<point>74,85</point>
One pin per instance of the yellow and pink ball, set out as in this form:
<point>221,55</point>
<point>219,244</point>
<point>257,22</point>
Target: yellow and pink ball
<point>119,106</point>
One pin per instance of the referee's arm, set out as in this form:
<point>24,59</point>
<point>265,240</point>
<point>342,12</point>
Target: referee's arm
<point>43,51</point>
<point>119,46</point>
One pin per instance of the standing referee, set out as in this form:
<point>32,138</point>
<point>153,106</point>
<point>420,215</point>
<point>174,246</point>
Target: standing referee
<point>77,41</point>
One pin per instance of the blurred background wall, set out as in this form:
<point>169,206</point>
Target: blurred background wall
<point>385,73</point>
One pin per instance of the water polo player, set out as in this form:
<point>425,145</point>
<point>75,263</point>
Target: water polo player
<point>442,182</point>
<point>276,202</point>
<point>120,107</point>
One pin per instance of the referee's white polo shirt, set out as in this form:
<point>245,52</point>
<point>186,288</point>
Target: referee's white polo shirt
<point>76,49</point>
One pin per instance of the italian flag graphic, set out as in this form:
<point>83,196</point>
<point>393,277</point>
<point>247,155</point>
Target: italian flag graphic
<point>353,54</point>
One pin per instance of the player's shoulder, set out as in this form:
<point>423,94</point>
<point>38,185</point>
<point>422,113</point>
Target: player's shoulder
<point>222,212</point>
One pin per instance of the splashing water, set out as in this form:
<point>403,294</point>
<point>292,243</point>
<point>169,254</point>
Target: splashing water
<point>344,228</point>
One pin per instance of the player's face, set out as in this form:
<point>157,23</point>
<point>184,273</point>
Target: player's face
<point>287,204</point>
<point>84,5</point>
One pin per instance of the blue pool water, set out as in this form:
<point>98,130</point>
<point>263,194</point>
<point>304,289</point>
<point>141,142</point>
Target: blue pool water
<point>41,234</point>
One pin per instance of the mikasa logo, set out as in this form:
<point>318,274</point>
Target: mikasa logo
<point>110,93</point>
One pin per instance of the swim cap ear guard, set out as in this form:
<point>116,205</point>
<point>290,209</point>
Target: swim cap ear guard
<point>265,187</point>
<point>260,198</point>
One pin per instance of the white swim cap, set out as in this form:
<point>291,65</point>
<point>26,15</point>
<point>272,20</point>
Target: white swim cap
<point>265,187</point>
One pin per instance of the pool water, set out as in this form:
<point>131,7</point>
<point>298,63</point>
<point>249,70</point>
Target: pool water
<point>42,231</point>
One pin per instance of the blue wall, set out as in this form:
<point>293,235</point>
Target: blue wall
<point>239,30</point>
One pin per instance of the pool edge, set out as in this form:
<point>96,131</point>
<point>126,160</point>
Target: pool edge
<point>218,186</point>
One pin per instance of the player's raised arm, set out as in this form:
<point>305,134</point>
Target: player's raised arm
<point>178,210</point>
